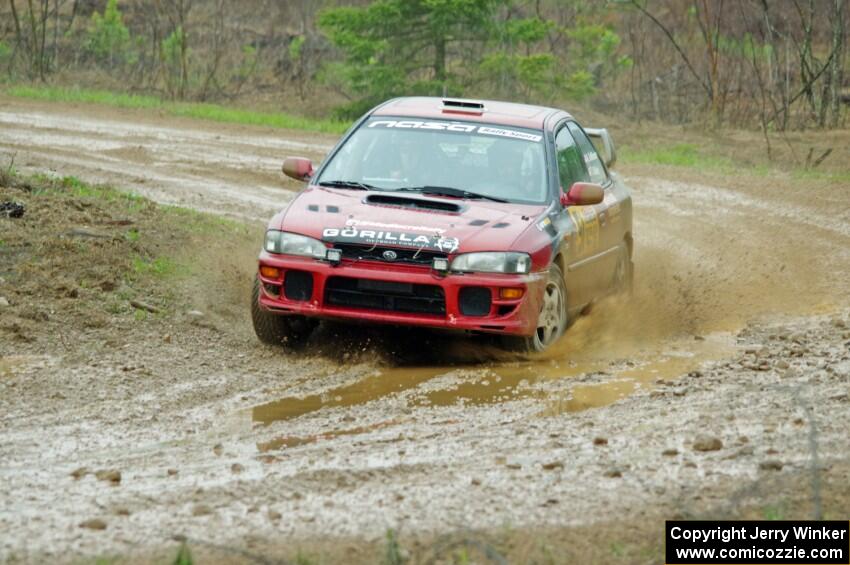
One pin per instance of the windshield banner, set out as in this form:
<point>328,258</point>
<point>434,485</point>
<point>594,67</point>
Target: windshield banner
<point>455,127</point>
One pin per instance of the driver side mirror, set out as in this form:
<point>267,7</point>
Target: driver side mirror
<point>583,194</point>
<point>298,168</point>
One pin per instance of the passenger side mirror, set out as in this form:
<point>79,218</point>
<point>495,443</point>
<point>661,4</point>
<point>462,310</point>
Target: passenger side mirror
<point>583,194</point>
<point>604,145</point>
<point>298,168</point>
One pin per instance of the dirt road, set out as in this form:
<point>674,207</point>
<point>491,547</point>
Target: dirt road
<point>710,394</point>
<point>231,170</point>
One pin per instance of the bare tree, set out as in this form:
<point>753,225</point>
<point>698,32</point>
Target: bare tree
<point>218,48</point>
<point>19,36</point>
<point>839,40</point>
<point>706,85</point>
<point>177,12</point>
<point>708,15</point>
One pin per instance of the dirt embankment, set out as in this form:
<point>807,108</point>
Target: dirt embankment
<point>720,390</point>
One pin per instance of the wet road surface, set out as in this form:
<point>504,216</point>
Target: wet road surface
<point>372,430</point>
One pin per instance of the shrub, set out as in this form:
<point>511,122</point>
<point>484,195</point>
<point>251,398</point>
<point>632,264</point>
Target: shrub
<point>108,38</point>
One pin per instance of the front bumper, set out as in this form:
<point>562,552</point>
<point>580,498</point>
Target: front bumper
<point>517,316</point>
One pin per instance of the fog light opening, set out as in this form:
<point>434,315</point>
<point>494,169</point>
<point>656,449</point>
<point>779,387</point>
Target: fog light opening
<point>475,301</point>
<point>505,309</point>
<point>298,285</point>
<point>272,289</point>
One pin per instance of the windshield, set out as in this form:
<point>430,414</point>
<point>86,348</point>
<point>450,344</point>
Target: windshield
<point>461,158</point>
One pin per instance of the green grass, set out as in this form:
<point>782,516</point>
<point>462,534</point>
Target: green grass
<point>219,113</point>
<point>304,559</point>
<point>618,550</point>
<point>392,554</point>
<point>159,266</point>
<point>201,222</point>
<point>689,155</point>
<point>678,155</point>
<point>184,556</point>
<point>199,110</point>
<point>774,512</point>
<point>62,94</point>
<point>803,174</point>
<point>75,187</point>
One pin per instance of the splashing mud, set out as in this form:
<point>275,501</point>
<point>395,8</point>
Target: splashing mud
<point>703,272</point>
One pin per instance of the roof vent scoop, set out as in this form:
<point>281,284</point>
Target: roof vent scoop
<point>462,106</point>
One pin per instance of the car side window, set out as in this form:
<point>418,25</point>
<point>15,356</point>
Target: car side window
<point>570,167</point>
<point>591,159</point>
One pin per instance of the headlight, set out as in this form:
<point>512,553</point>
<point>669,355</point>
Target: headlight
<point>294,244</point>
<point>518,263</point>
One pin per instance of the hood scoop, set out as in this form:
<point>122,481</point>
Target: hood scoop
<point>414,203</point>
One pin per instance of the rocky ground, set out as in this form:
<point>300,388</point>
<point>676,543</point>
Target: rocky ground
<point>720,390</point>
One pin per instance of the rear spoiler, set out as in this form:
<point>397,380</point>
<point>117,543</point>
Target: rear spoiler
<point>604,145</point>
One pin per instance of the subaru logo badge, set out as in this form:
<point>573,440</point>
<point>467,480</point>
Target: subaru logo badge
<point>390,255</point>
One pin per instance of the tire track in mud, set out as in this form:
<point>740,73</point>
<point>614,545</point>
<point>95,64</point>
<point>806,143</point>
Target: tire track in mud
<point>382,428</point>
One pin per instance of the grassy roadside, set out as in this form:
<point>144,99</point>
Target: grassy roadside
<point>86,259</point>
<point>693,156</point>
<point>198,110</point>
<point>737,152</point>
<point>725,151</point>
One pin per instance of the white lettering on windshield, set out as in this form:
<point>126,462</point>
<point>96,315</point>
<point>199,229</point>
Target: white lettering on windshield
<point>509,133</point>
<point>462,128</point>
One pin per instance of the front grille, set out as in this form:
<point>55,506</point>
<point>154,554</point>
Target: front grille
<point>371,253</point>
<point>385,295</point>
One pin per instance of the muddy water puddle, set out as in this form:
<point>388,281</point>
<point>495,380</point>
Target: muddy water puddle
<point>382,383</point>
<point>612,379</point>
<point>561,384</point>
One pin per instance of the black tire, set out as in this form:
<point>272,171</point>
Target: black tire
<point>275,329</point>
<point>624,272</point>
<point>552,320</point>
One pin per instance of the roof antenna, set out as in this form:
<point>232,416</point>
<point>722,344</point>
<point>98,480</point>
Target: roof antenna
<point>444,90</point>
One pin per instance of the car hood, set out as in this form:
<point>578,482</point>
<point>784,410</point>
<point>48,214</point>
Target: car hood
<point>412,220</point>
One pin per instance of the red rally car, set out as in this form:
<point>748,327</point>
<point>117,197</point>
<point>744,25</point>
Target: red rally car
<point>456,214</point>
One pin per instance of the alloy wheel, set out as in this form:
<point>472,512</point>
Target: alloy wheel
<point>550,323</point>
